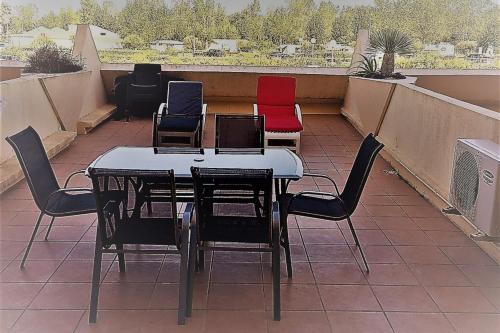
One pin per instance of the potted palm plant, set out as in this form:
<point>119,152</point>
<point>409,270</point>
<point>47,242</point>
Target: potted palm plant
<point>390,42</point>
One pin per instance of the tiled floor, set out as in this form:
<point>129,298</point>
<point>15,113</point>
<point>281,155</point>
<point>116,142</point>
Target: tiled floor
<point>426,276</point>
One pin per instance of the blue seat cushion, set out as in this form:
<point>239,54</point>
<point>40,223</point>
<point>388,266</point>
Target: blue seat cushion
<point>179,124</point>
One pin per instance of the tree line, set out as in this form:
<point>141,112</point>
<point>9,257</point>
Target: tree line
<point>198,22</point>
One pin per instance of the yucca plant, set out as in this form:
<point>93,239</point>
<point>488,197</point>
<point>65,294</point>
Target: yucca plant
<point>367,67</point>
<point>390,41</point>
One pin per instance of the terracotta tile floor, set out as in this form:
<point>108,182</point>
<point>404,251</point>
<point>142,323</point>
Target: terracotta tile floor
<point>426,275</point>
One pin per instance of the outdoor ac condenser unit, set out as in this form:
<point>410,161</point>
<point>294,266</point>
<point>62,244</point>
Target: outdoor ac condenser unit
<point>475,189</point>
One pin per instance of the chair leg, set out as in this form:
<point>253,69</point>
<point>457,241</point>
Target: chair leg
<point>150,207</point>
<point>37,225</point>
<point>276,280</point>
<point>191,268</point>
<point>201,260</point>
<point>49,228</point>
<point>121,258</point>
<point>286,243</point>
<point>96,279</point>
<point>356,240</point>
<point>183,282</point>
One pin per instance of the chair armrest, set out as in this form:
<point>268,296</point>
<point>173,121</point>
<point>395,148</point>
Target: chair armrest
<point>204,115</point>
<point>255,110</point>
<point>71,176</point>
<point>163,106</point>
<point>298,112</point>
<point>187,216</point>
<point>276,214</point>
<point>317,175</point>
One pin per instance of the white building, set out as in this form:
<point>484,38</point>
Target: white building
<point>104,39</point>
<point>165,44</point>
<point>443,49</point>
<point>334,46</point>
<point>230,45</point>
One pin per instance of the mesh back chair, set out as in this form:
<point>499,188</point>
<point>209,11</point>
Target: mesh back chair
<point>221,217</point>
<point>181,119</point>
<point>239,131</point>
<point>50,198</point>
<point>144,88</point>
<point>335,206</point>
<point>121,223</point>
<point>276,101</point>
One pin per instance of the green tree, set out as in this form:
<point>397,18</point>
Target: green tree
<point>320,24</point>
<point>249,22</point>
<point>5,17</point>
<point>192,43</point>
<point>349,21</point>
<point>25,18</point>
<point>51,20</point>
<point>142,17</point>
<point>134,41</point>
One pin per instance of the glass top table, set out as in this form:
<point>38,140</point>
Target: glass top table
<point>285,164</point>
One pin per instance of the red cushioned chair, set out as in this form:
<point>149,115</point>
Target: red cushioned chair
<point>283,119</point>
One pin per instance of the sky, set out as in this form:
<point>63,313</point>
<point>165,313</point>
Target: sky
<point>44,6</point>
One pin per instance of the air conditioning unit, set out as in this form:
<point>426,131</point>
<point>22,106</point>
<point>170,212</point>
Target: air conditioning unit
<point>475,189</point>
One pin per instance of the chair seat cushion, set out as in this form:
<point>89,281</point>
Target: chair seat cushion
<point>307,205</point>
<point>280,118</point>
<point>178,124</point>
<point>152,231</point>
<point>235,229</point>
<point>65,203</point>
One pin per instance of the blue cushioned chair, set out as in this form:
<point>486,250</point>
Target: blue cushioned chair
<point>181,119</point>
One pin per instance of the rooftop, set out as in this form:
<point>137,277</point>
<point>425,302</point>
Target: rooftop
<point>425,273</point>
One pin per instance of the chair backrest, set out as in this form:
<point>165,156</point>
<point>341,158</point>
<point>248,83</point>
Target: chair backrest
<point>239,131</point>
<point>276,90</point>
<point>359,172</point>
<point>35,164</point>
<point>185,98</point>
<point>147,74</point>
<point>225,204</point>
<point>116,193</point>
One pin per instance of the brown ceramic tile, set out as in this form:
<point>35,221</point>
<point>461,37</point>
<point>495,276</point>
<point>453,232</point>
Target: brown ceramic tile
<point>408,237</point>
<point>439,275</point>
<point>295,297</point>
<point>375,211</point>
<point>379,254</point>
<point>299,322</point>
<point>410,200</point>
<point>482,276</point>
<point>10,250</point>
<point>123,321</point>
<point>471,322</point>
<point>407,322</point>
<point>321,236</point>
<point>367,237</point>
<point>395,223</point>
<point>40,321</point>
<point>467,255</point>
<point>222,297</point>
<point>236,273</point>
<point>70,296</point>
<point>358,322</point>
<point>390,274</point>
<point>337,273</point>
<point>18,295</point>
<point>422,255</point>
<point>460,299</point>
<point>404,298</point>
<point>493,295</point>
<point>435,223</point>
<point>133,296</point>
<point>345,297</point>
<point>166,296</point>
<point>135,271</point>
<point>329,253</point>
<point>33,271</point>
<point>8,318</point>
<point>50,250</point>
<point>235,321</point>
<point>422,211</point>
<point>302,273</point>
<point>65,233</point>
<point>450,238</point>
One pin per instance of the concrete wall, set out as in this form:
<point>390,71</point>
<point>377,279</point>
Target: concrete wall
<point>9,73</point>
<point>481,88</point>
<point>231,83</point>
<point>18,113</point>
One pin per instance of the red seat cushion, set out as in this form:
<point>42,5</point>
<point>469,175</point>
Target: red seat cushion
<point>280,118</point>
<point>276,90</point>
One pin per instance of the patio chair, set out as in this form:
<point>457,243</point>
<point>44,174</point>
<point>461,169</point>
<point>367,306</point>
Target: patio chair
<point>334,206</point>
<point>221,217</point>
<point>50,198</point>
<point>180,121</point>
<point>239,131</point>
<point>276,101</point>
<point>144,89</point>
<point>119,226</point>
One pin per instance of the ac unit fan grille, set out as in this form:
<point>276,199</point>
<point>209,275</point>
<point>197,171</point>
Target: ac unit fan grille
<point>465,184</point>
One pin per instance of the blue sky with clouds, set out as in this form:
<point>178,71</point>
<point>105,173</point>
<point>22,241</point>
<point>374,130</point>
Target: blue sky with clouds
<point>231,6</point>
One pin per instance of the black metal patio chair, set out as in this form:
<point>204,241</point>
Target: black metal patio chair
<point>50,198</point>
<point>334,206</point>
<point>221,218</point>
<point>144,89</point>
<point>121,223</point>
<point>180,121</point>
